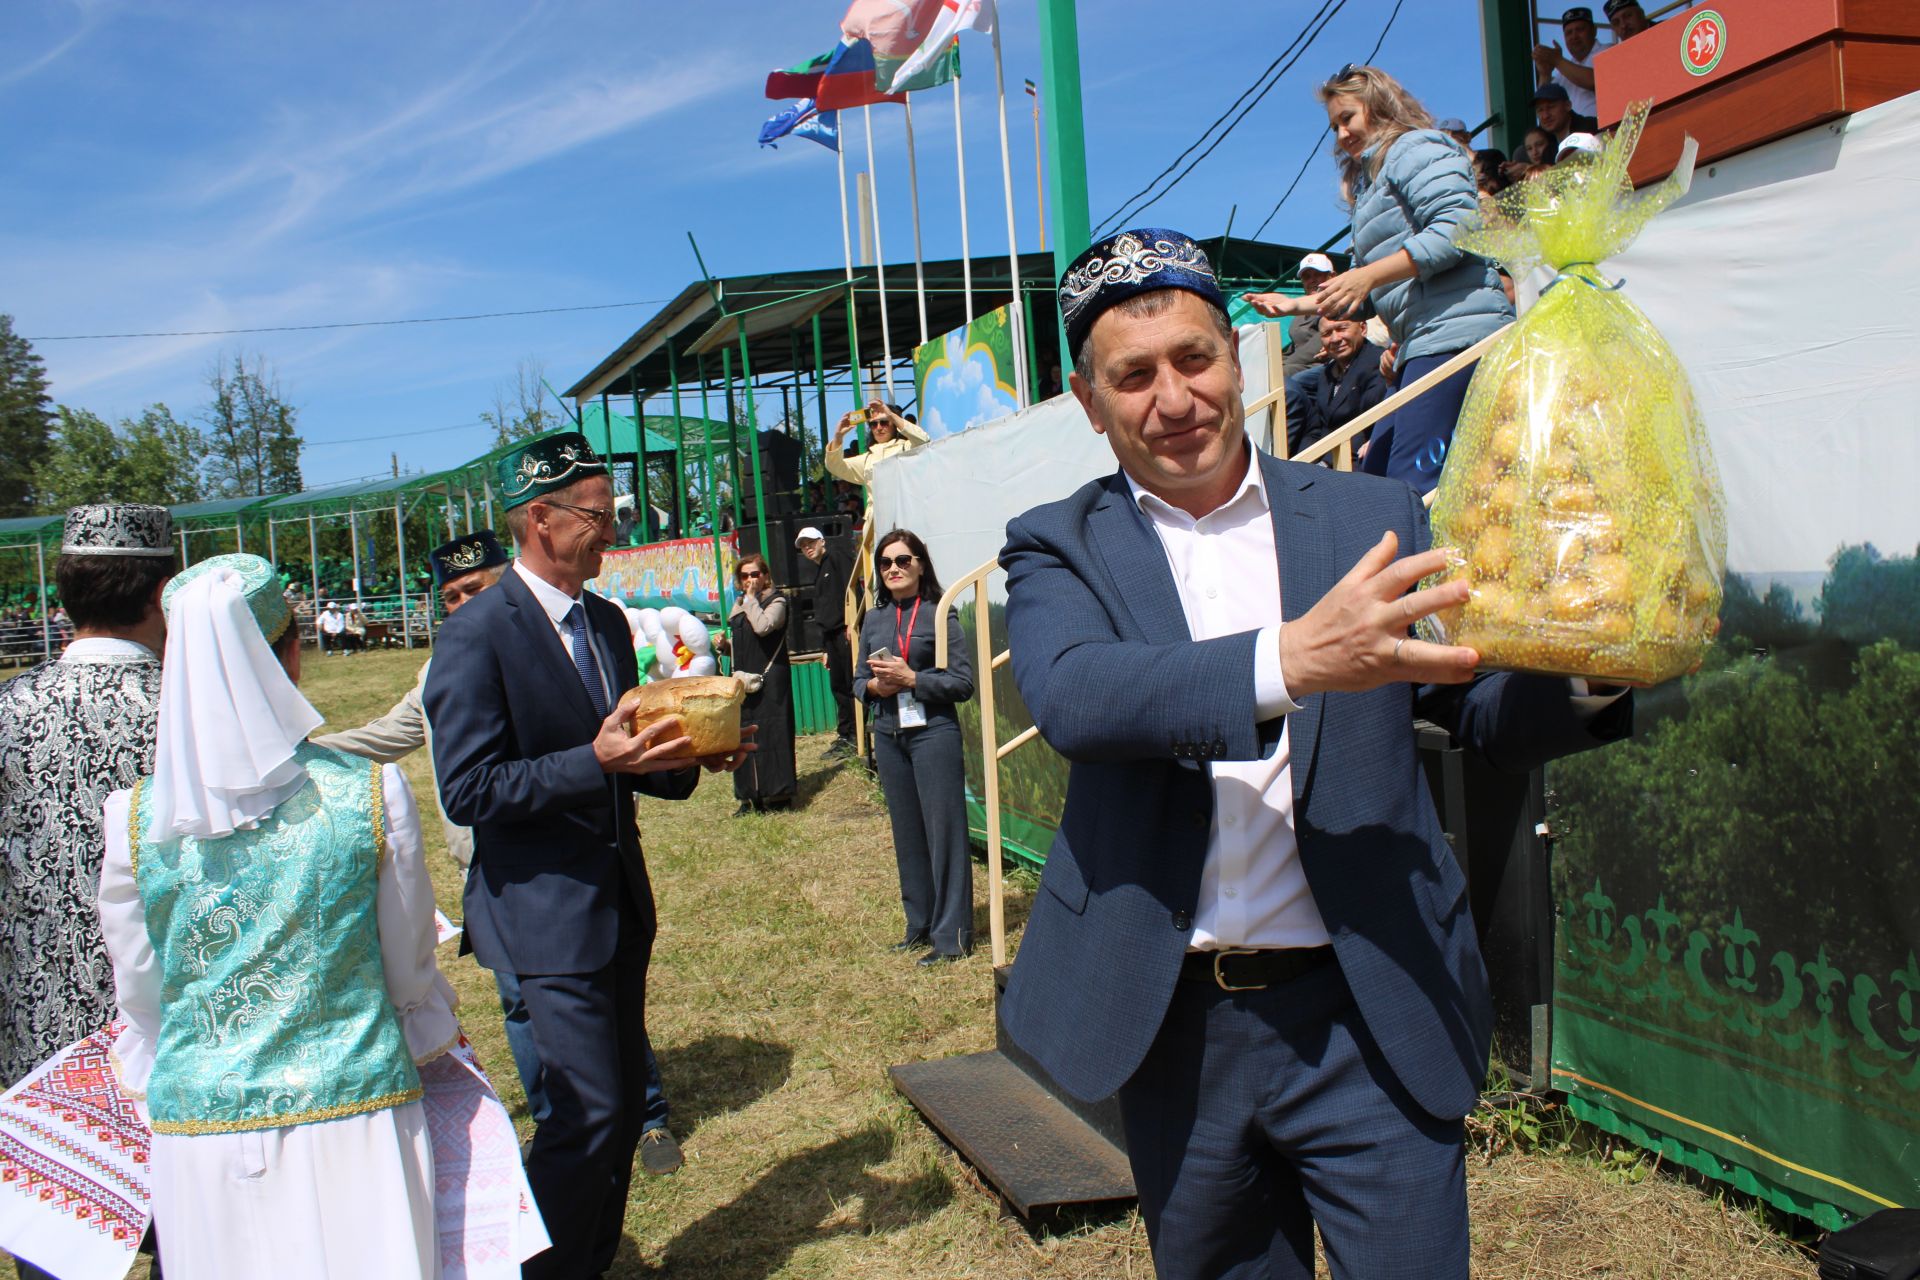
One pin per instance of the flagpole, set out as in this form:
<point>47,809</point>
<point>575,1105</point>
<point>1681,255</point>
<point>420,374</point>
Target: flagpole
<point>1013,234</point>
<point>846,249</point>
<point>960,157</point>
<point>913,184</point>
<point>879,254</point>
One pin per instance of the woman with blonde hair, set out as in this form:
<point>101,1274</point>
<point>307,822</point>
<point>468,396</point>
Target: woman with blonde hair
<point>1409,188</point>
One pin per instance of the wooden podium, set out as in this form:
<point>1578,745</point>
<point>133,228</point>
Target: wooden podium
<point>1738,73</point>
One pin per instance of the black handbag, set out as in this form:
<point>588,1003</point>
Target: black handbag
<point>1885,1246</point>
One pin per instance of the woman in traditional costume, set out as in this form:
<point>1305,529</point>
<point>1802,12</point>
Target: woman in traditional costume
<point>270,923</point>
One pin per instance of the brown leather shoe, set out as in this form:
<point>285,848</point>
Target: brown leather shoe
<point>659,1153</point>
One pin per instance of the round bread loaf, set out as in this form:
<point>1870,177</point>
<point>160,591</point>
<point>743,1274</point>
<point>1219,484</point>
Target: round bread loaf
<point>708,708</point>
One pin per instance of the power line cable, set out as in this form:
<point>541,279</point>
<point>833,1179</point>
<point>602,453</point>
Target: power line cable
<point>346,324</point>
<point>1218,120</point>
<point>1314,150</point>
<point>397,435</point>
<point>1301,44</point>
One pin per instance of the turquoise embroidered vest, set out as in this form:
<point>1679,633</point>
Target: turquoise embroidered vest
<point>273,1003</point>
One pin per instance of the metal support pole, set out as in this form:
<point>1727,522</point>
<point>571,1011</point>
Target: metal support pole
<point>451,532</point>
<point>273,542</point>
<point>186,561</point>
<point>46,614</point>
<point>1033,347</point>
<point>353,532</point>
<point>733,429</point>
<point>645,513</point>
<point>1507,35</point>
<point>400,559</point>
<point>1066,134</point>
<point>753,443</point>
<point>313,559</point>
<point>820,382</point>
<point>679,441</point>
<point>713,490</point>
<point>239,542</point>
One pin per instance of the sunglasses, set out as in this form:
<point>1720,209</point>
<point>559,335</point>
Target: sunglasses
<point>750,573</point>
<point>1345,71</point>
<point>897,562</point>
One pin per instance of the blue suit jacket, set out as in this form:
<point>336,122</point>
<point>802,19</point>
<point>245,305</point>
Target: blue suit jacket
<point>555,838</point>
<point>1103,657</point>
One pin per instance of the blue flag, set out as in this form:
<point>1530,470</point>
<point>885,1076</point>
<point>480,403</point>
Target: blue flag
<point>803,120</point>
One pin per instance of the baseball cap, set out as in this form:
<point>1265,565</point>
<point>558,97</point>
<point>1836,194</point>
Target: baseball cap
<point>1551,92</point>
<point>1579,13</point>
<point>1317,262</point>
<point>807,534</point>
<point>1577,143</point>
<point>1452,124</point>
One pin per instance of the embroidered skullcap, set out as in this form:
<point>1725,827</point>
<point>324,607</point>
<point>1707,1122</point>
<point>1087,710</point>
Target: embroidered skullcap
<point>1127,265</point>
<point>478,550</point>
<point>544,464</point>
<point>118,529</point>
<point>258,582</point>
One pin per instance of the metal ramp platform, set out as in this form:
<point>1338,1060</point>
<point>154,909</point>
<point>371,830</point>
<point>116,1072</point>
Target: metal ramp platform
<point>1024,1141</point>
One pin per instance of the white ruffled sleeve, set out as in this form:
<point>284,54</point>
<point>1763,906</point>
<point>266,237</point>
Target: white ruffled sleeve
<point>414,983</point>
<point>136,971</point>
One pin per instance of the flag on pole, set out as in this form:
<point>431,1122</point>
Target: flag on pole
<point>802,120</point>
<point>843,77</point>
<point>954,16</point>
<point>938,71</point>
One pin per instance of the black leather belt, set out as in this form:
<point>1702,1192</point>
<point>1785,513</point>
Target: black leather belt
<point>1242,969</point>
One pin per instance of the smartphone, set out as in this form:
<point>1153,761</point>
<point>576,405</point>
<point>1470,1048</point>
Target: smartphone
<point>858,417</point>
<point>882,653</point>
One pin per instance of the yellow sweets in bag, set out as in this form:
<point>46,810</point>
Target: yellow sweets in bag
<point>1580,495</point>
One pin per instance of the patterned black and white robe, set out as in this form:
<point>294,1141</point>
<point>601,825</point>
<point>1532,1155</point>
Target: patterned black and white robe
<point>71,731</point>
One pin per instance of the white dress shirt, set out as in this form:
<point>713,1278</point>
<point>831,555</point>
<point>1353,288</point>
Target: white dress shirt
<point>1585,101</point>
<point>556,604</point>
<point>1253,891</point>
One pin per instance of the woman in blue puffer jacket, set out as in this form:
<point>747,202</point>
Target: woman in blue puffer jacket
<point>1409,188</point>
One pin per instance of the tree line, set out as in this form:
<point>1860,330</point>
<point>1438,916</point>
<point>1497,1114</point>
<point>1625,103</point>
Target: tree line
<point>244,442</point>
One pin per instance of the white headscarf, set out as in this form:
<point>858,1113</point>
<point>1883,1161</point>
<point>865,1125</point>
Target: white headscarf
<point>230,718</point>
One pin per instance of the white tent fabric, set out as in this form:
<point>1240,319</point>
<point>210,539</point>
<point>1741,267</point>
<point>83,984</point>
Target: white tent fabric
<point>1788,283</point>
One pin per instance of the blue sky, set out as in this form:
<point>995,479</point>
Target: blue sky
<point>188,166</point>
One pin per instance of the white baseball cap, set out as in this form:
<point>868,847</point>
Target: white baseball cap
<point>807,534</point>
<point>1317,262</point>
<point>1576,143</point>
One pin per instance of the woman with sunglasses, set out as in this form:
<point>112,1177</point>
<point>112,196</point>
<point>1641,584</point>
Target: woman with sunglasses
<point>757,635</point>
<point>916,743</point>
<point>1408,187</point>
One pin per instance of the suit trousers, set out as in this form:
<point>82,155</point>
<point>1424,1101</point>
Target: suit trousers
<point>1258,1114</point>
<point>526,1059</point>
<point>924,778</point>
<point>591,1034</point>
<point>840,679</point>
<point>1411,445</point>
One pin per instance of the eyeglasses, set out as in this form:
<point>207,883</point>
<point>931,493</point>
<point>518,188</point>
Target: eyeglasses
<point>594,515</point>
<point>897,562</point>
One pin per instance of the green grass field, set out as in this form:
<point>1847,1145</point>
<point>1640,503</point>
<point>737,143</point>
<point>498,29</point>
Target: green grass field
<point>775,1009</point>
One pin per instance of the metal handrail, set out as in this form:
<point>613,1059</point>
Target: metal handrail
<point>863,599</point>
<point>992,750</point>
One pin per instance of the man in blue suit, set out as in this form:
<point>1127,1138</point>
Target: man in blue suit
<point>531,751</point>
<point>1250,926</point>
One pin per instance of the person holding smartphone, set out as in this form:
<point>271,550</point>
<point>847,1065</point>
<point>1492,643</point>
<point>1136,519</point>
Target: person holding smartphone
<point>916,744</point>
<point>892,431</point>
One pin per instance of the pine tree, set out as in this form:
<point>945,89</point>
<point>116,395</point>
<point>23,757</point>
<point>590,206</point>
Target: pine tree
<point>26,420</point>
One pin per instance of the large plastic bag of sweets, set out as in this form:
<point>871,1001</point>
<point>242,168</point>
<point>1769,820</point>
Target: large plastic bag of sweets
<point>1580,496</point>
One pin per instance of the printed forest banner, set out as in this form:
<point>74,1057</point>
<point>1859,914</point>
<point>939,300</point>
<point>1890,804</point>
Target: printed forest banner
<point>1738,911</point>
<point>968,377</point>
<point>681,572</point>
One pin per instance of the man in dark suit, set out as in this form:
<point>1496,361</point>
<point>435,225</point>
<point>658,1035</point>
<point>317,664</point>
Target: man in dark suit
<point>531,751</point>
<point>833,570</point>
<point>1250,926</point>
<point>1339,389</point>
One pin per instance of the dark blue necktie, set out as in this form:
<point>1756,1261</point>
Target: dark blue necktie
<point>583,660</point>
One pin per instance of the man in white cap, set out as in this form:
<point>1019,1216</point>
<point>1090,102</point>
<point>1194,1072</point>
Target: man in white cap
<point>1304,332</point>
<point>833,570</point>
<point>332,625</point>
<point>71,731</point>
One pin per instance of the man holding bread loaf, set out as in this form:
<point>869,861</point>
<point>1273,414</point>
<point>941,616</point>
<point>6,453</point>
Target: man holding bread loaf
<point>532,751</point>
<point>1250,927</point>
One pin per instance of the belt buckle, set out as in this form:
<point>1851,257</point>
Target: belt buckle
<point>1220,979</point>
